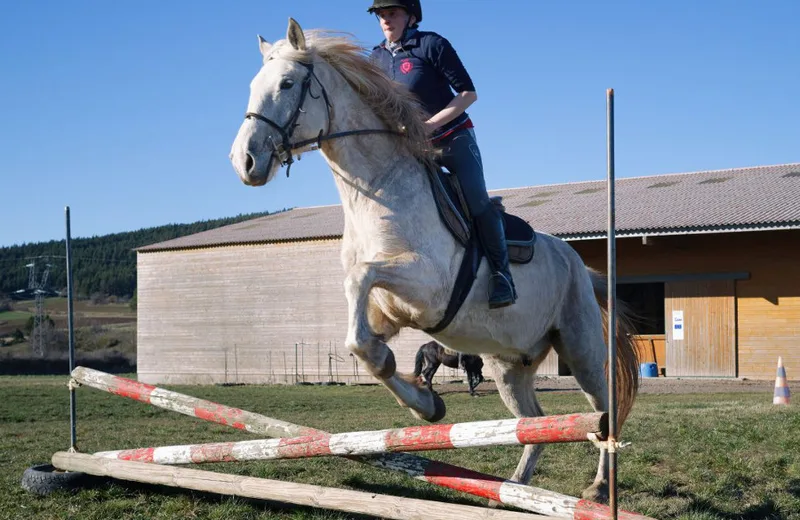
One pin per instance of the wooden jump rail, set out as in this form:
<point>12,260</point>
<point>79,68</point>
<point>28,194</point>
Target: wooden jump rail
<point>512,432</point>
<point>509,493</point>
<point>383,506</point>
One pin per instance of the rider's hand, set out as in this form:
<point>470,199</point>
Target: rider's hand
<point>430,127</point>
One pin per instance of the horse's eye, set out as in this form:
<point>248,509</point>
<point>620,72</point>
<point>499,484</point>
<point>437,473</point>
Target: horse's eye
<point>287,83</point>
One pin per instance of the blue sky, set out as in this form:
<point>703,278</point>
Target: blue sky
<point>125,111</point>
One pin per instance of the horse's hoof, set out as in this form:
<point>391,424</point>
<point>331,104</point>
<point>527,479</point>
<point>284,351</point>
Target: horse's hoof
<point>440,410</point>
<point>596,493</point>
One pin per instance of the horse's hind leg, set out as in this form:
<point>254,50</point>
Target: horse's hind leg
<point>401,277</point>
<point>472,379</point>
<point>582,347</point>
<point>429,372</point>
<point>515,382</point>
<point>477,374</point>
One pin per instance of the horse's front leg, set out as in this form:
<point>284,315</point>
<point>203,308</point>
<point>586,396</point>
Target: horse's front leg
<point>400,278</point>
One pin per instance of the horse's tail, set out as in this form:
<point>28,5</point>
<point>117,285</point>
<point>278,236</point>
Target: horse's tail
<point>627,355</point>
<point>418,361</point>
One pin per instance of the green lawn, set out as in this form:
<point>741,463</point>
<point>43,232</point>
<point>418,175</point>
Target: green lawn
<point>723,456</point>
<point>14,315</point>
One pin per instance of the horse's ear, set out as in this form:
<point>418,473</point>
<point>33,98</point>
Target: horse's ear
<point>295,35</point>
<point>264,46</point>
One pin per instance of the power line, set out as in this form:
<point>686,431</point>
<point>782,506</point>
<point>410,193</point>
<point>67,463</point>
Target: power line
<point>38,340</point>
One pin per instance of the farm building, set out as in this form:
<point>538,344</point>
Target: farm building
<point>709,260</point>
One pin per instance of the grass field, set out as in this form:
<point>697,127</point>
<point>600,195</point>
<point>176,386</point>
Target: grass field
<point>59,306</point>
<point>14,316</point>
<point>700,457</point>
<point>97,326</point>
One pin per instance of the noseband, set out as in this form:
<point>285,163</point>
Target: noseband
<point>283,150</point>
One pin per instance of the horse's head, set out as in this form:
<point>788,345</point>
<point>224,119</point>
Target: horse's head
<point>286,113</point>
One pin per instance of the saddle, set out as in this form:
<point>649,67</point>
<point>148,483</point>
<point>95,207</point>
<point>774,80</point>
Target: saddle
<point>452,208</point>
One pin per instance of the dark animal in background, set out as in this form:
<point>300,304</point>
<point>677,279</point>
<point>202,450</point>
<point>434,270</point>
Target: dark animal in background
<point>432,354</point>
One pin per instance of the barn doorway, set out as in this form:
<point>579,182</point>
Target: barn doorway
<point>647,306</point>
<point>646,301</point>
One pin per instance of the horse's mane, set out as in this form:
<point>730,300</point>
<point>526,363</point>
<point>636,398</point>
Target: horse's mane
<point>390,101</point>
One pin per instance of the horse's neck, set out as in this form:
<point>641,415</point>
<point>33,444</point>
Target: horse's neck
<point>373,169</point>
<point>383,188</point>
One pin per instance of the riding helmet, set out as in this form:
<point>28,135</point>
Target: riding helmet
<point>412,7</point>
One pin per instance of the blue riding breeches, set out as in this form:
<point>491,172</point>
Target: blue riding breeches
<point>462,158</point>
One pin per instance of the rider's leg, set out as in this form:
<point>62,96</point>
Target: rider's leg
<point>462,157</point>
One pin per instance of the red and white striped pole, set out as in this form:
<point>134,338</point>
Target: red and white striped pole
<point>478,484</point>
<point>509,432</point>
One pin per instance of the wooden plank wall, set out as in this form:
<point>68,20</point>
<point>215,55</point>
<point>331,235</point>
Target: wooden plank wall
<point>708,347</point>
<point>235,314</point>
<point>248,314</point>
<point>767,305</point>
<point>769,316</point>
<point>652,349</point>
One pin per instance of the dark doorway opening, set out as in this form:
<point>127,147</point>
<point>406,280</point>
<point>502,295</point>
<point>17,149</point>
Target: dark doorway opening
<point>645,301</point>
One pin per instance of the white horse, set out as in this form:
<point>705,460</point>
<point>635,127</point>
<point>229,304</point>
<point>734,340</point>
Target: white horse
<point>318,90</point>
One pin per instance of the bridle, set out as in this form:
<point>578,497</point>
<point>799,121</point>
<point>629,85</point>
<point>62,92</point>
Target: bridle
<point>283,150</point>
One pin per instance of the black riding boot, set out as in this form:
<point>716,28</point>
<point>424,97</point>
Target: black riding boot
<point>492,236</point>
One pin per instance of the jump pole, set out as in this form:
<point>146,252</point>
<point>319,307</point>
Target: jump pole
<point>383,506</point>
<point>510,432</point>
<point>612,311</point>
<point>500,490</point>
<point>73,437</point>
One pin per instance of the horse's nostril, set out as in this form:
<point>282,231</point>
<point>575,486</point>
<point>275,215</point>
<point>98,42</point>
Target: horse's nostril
<point>249,163</point>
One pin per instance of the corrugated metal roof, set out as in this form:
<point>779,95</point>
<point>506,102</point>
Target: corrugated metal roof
<point>764,197</point>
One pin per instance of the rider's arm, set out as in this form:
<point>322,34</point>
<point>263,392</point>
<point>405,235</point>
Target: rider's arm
<point>446,60</point>
<point>455,108</point>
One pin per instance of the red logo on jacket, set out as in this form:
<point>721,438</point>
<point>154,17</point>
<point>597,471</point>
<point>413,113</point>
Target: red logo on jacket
<point>406,66</point>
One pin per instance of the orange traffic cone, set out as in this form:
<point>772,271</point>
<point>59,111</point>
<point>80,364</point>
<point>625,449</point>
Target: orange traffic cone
<point>781,388</point>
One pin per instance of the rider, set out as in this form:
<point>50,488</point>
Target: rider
<point>430,68</point>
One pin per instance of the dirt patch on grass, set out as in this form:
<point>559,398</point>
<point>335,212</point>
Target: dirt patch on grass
<point>661,385</point>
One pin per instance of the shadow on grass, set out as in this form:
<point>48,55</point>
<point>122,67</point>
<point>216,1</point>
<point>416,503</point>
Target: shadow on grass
<point>793,487</point>
<point>765,510</point>
<point>478,393</point>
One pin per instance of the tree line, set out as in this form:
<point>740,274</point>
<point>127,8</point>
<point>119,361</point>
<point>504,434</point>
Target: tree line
<point>100,265</point>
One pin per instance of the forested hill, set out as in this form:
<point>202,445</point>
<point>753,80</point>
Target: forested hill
<point>105,264</point>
